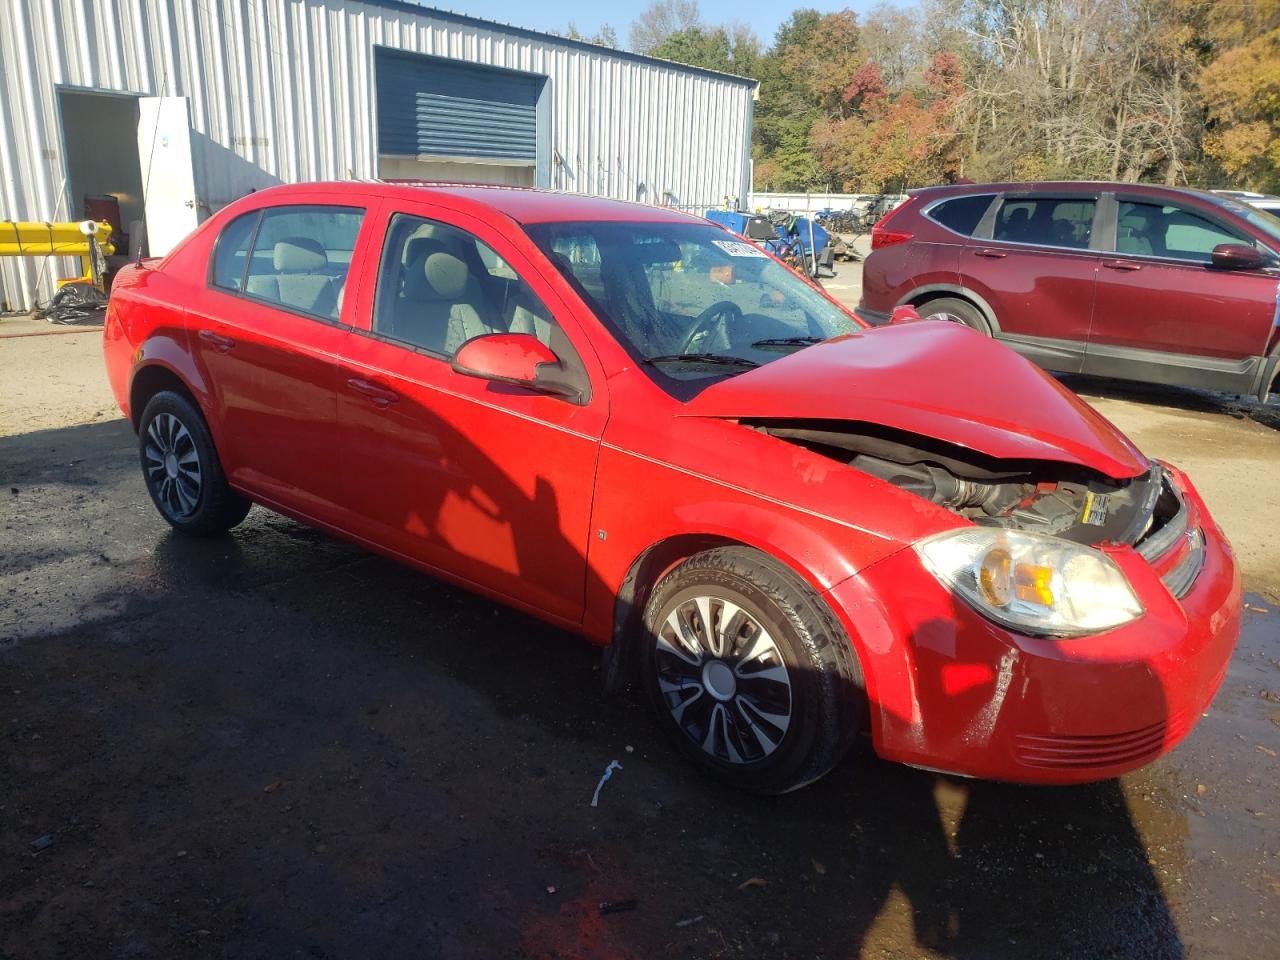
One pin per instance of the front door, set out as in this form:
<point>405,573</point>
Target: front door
<point>487,482</point>
<point>1036,268</point>
<point>1158,292</point>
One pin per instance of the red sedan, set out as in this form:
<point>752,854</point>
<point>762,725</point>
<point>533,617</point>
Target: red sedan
<point>629,422</point>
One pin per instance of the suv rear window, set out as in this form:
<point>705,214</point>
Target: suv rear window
<point>961,214</point>
<point>1046,221</point>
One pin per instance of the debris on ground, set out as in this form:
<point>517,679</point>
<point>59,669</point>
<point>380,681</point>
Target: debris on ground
<point>75,304</point>
<point>1201,789</point>
<point>690,921</point>
<point>753,882</point>
<point>42,843</point>
<point>818,868</point>
<point>616,906</point>
<point>1267,750</point>
<point>608,772</point>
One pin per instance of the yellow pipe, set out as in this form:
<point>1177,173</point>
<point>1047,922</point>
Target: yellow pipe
<point>51,239</point>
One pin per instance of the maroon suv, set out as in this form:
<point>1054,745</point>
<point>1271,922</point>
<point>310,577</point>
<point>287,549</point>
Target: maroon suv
<point>1114,279</point>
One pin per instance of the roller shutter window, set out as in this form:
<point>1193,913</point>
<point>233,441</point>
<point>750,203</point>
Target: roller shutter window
<point>432,108</point>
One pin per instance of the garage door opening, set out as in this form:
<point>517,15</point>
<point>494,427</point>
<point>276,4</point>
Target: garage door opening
<point>128,162</point>
<point>104,174</point>
<point>441,119</point>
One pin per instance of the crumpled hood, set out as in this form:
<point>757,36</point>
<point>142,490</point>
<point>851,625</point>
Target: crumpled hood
<point>935,379</point>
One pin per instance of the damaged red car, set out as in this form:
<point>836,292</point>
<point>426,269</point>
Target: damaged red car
<point>788,527</point>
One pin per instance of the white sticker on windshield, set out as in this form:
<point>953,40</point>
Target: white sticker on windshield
<point>736,248</point>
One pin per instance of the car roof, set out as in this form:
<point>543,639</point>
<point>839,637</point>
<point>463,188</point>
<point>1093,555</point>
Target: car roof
<point>522,204</point>
<point>1065,186</point>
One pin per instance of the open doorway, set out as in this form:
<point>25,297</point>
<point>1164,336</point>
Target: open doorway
<point>104,174</point>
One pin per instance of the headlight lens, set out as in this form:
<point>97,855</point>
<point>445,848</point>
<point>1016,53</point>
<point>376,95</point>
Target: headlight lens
<point>1032,583</point>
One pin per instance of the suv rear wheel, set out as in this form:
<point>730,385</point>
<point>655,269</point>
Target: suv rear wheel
<point>749,671</point>
<point>955,310</point>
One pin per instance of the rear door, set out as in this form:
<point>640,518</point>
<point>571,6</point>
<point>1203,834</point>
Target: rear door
<point>1034,261</point>
<point>266,330</point>
<point>1159,293</point>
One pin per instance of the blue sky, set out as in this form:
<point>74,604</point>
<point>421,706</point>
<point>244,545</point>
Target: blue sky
<point>588,15</point>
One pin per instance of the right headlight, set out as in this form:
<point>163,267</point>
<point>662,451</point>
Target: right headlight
<point>1032,583</point>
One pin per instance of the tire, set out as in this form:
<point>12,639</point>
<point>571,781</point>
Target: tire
<point>779,700</point>
<point>181,468</point>
<point>957,311</point>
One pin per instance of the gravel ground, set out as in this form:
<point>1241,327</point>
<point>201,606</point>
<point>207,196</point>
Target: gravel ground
<point>278,745</point>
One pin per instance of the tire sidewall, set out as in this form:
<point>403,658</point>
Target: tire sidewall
<point>969,315</point>
<point>806,673</point>
<point>182,409</point>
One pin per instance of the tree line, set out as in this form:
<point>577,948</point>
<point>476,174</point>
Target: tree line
<point>1170,91</point>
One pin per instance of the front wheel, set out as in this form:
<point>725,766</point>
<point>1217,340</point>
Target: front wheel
<point>749,672</point>
<point>182,470</point>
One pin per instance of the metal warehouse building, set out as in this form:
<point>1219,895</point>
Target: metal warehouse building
<point>171,109</point>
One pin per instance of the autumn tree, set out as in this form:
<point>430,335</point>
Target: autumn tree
<point>1241,89</point>
<point>729,49</point>
<point>662,19</point>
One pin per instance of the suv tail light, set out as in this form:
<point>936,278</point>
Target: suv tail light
<point>882,236</point>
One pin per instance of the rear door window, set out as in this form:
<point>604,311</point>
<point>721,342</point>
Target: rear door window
<point>961,214</point>
<point>300,257</point>
<point>1156,230</point>
<point>1046,221</point>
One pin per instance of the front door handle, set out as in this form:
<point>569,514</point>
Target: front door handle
<point>217,341</point>
<point>379,396</point>
<point>991,254</point>
<point>1126,265</point>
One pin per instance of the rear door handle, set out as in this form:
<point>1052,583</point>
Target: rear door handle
<point>379,396</point>
<point>991,254</point>
<point>1126,265</point>
<point>217,341</point>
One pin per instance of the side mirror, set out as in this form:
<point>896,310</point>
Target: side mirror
<point>904,314</point>
<point>516,358</point>
<point>1237,256</point>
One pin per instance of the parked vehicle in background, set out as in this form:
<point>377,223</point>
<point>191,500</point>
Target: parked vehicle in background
<point>634,424</point>
<point>1262,201</point>
<point>1139,282</point>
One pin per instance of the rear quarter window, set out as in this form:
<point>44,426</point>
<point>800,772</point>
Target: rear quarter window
<point>961,214</point>
<point>231,250</point>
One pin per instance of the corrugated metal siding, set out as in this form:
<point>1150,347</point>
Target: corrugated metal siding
<point>284,90</point>
<point>441,108</point>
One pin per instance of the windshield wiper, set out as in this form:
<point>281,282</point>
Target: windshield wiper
<point>788,341</point>
<point>716,358</point>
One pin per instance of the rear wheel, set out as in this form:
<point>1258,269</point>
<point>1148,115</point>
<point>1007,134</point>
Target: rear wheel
<point>955,310</point>
<point>749,672</point>
<point>182,470</point>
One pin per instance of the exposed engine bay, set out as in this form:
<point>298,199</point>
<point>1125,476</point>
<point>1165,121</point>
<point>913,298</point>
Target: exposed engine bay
<point>1039,496</point>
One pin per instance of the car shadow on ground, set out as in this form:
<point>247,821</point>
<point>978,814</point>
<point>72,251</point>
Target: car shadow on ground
<point>1234,405</point>
<point>276,743</point>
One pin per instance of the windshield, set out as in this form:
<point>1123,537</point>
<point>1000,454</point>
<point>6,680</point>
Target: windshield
<point>689,299</point>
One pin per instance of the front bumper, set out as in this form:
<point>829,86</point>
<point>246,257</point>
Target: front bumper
<point>953,691</point>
